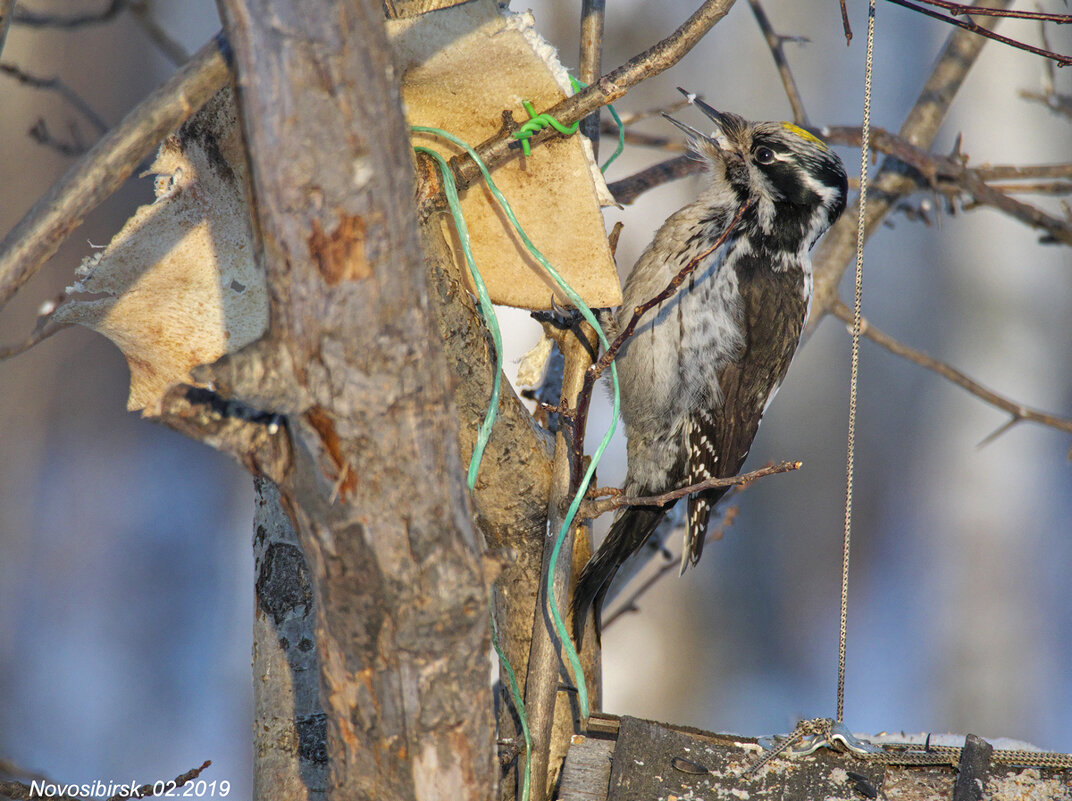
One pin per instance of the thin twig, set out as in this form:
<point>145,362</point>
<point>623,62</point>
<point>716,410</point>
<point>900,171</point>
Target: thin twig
<point>838,247</point>
<point>971,25</point>
<point>56,85</point>
<point>591,61</point>
<point>629,189</point>
<point>147,790</point>
<point>640,139</point>
<point>1016,410</point>
<point>172,50</point>
<point>846,27</point>
<point>969,10</point>
<point>607,89</point>
<point>952,170</point>
<point>1016,172</point>
<point>20,790</point>
<point>34,20</point>
<point>545,660</point>
<point>775,42</point>
<point>629,605</point>
<point>7,10</point>
<point>107,165</point>
<point>634,117</point>
<point>597,507</point>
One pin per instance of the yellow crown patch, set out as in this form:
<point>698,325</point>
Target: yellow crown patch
<point>797,130</point>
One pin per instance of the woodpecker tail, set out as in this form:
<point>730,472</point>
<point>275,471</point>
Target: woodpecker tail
<point>627,534</point>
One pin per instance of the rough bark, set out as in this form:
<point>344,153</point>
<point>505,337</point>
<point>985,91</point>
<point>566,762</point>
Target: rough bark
<point>354,361</point>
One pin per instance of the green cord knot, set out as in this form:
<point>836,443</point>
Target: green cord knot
<point>536,123</point>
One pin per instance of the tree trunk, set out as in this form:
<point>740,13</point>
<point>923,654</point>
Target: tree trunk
<point>352,358</point>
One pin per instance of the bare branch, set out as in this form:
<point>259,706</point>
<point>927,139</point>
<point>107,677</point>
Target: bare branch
<point>19,790</point>
<point>971,25</point>
<point>1017,411</point>
<point>952,170</point>
<point>629,189</point>
<point>838,247</point>
<point>593,13</point>
<point>33,20</point>
<point>638,138</point>
<point>1057,103</point>
<point>607,89</point>
<point>846,27</point>
<point>545,671</point>
<point>962,9</point>
<point>7,8</point>
<point>644,114</point>
<point>106,166</point>
<point>172,50</point>
<point>54,84</point>
<point>629,605</point>
<point>775,42</point>
<point>1016,172</point>
<point>595,508</point>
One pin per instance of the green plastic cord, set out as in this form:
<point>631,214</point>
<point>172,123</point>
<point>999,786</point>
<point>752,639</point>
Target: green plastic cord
<point>536,123</point>
<point>578,85</point>
<point>586,480</point>
<point>519,705</point>
<point>621,139</point>
<point>450,189</point>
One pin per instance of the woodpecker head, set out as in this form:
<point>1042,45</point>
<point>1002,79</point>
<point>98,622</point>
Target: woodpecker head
<point>798,182</point>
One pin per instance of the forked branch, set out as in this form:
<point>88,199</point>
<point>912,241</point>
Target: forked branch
<point>1017,411</point>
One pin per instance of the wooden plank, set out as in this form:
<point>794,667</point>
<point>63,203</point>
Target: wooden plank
<point>586,773</point>
<point>654,761</point>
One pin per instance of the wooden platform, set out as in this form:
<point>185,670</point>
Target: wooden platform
<point>627,759</point>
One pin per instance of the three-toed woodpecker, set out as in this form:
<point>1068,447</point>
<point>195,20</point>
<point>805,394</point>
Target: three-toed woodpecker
<point>702,367</point>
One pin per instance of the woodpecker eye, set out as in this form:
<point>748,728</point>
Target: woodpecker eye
<point>763,155</point>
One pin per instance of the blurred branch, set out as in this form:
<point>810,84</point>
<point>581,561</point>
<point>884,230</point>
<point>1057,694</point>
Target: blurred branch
<point>1017,411</point>
<point>838,247</point>
<point>172,50</point>
<point>640,139</point>
<point>107,165</point>
<point>974,27</point>
<point>594,508</point>
<point>962,9</point>
<point>950,172</point>
<point>629,605</point>
<point>775,42</point>
<point>947,174</point>
<point>1057,103</point>
<point>56,85</point>
<point>33,20</point>
<point>607,89</point>
<point>7,8</point>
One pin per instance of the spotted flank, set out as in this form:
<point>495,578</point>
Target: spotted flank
<point>806,135</point>
<point>703,462</point>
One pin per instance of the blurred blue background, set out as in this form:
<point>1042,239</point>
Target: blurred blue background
<point>125,568</point>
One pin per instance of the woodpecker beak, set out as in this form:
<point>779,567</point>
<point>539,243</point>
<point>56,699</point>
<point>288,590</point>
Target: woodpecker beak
<point>716,116</point>
<point>726,125</point>
<point>691,132</point>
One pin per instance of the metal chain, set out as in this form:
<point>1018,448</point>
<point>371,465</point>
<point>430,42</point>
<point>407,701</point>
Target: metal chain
<point>811,735</point>
<point>865,156</point>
